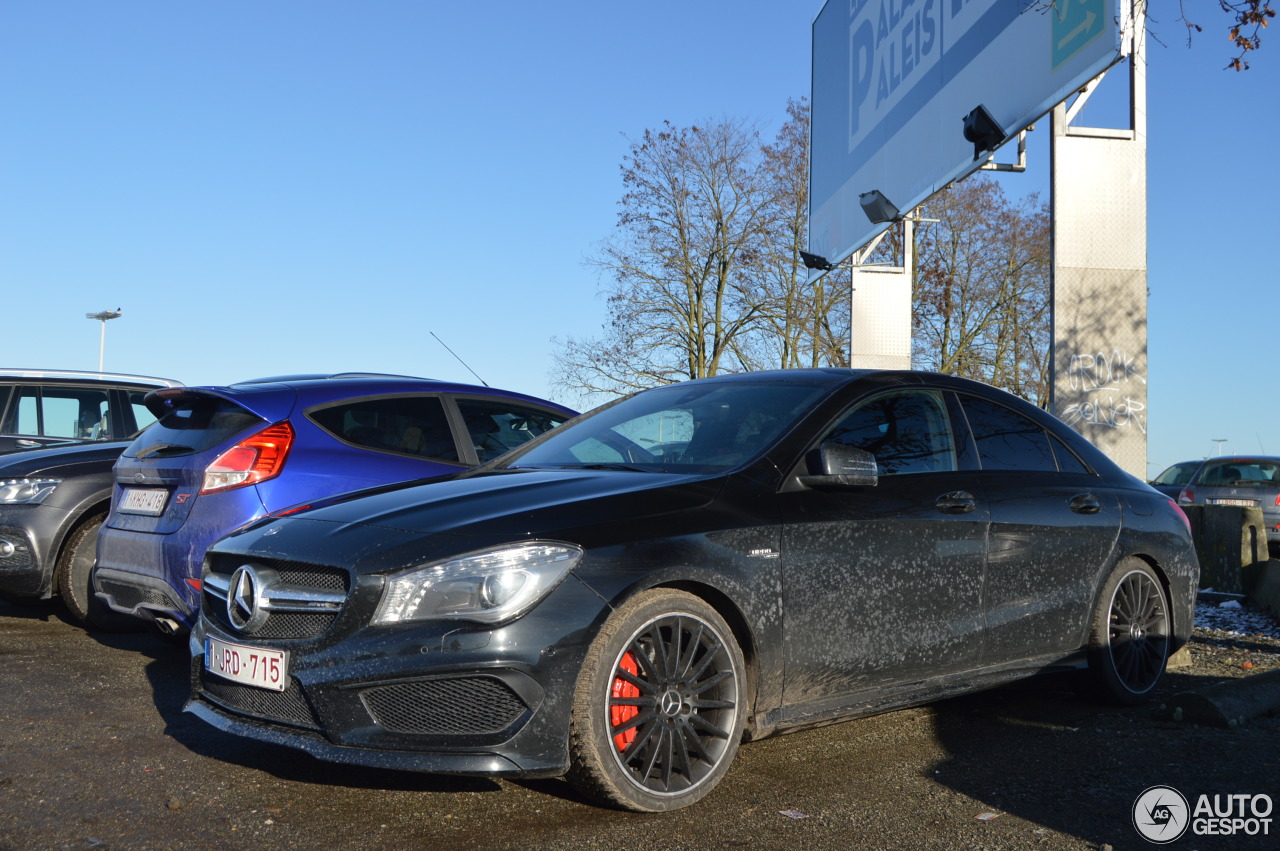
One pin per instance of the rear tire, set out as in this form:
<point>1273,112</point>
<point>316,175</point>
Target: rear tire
<point>1130,636</point>
<point>659,707</point>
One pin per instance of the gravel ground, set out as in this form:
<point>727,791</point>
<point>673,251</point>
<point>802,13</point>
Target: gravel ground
<point>95,753</point>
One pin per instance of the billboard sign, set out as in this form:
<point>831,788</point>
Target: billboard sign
<point>899,84</point>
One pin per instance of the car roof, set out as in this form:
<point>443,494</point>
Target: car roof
<point>273,398</point>
<point>78,376</point>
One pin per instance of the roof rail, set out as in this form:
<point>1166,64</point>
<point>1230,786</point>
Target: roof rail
<point>9,372</point>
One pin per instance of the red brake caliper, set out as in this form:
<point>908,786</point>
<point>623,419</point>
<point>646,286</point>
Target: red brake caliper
<point>619,715</point>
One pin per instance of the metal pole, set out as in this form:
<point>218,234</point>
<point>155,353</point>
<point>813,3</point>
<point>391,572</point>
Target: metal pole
<point>102,316</point>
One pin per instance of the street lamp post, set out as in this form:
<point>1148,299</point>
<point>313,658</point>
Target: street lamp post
<point>1219,441</point>
<point>103,316</point>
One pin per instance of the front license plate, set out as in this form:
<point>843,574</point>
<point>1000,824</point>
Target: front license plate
<point>144,501</point>
<point>1247,503</point>
<point>252,666</point>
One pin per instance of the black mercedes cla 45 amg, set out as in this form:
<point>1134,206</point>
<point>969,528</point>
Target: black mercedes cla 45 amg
<point>625,599</point>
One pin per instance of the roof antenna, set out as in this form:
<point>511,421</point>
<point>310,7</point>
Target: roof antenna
<point>460,360</point>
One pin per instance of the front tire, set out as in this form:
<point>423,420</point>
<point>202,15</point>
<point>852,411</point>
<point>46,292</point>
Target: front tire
<point>74,580</point>
<point>74,565</point>
<point>659,707</point>
<point>1130,637</point>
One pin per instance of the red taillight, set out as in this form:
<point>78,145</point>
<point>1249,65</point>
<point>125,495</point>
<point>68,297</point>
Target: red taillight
<point>1187,497</point>
<point>252,460</point>
<point>1181,513</point>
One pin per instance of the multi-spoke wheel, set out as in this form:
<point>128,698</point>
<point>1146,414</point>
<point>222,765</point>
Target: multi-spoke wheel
<point>1129,641</point>
<point>659,707</point>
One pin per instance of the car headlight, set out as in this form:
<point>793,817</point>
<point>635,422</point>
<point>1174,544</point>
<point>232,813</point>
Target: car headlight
<point>487,586</point>
<point>26,491</point>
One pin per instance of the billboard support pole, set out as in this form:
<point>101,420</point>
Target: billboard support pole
<point>880,306</point>
<point>1098,289</point>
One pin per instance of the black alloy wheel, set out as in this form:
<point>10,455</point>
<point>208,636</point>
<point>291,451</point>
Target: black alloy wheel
<point>1130,638</point>
<point>659,707</point>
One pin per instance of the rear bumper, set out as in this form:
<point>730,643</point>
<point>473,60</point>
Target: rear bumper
<point>144,597</point>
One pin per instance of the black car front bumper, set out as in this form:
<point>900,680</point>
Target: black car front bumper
<point>440,698</point>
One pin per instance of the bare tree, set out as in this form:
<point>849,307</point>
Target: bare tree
<point>981,292</point>
<point>680,266</point>
<point>1248,19</point>
<point>806,323</point>
<point>704,273</point>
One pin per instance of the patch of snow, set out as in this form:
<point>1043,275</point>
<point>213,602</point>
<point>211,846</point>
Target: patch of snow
<point>1234,618</point>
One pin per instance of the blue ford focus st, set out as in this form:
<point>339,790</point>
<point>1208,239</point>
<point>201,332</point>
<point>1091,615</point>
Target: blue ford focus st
<point>220,457</point>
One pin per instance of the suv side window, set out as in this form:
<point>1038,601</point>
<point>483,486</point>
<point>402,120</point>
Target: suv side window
<point>1007,440</point>
<point>142,416</point>
<point>75,413</point>
<point>496,427</point>
<point>412,425</point>
<point>907,430</point>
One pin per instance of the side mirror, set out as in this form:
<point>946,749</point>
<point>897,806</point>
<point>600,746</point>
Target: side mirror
<point>834,465</point>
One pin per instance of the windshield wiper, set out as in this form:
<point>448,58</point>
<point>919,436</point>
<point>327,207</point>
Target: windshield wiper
<point>165,449</point>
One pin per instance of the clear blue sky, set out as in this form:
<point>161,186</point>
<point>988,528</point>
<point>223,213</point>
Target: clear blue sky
<point>314,186</point>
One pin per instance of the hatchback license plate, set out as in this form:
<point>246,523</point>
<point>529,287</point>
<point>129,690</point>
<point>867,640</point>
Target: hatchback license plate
<point>1247,503</point>
<point>251,666</point>
<point>144,501</point>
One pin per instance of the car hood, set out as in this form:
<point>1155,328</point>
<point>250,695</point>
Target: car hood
<point>31,462</point>
<point>391,527</point>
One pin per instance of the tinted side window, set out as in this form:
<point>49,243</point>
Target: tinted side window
<point>1068,462</point>
<point>70,412</point>
<point>413,425</point>
<point>496,427</point>
<point>907,431</point>
<point>142,416</point>
<point>1007,440</point>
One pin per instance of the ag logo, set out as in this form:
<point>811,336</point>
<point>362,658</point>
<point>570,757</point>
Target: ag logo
<point>1161,814</point>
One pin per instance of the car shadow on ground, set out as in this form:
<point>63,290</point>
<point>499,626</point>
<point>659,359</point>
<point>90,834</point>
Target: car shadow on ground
<point>1041,752</point>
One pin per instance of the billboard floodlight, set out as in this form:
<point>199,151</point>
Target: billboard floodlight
<point>815,261</point>
<point>878,208</point>
<point>982,130</point>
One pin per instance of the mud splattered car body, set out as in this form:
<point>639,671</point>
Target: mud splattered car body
<point>625,598</point>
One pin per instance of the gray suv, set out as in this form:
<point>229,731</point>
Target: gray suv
<point>46,407</point>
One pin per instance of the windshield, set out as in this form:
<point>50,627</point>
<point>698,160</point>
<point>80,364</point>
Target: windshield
<point>683,428</point>
<point>1178,474</point>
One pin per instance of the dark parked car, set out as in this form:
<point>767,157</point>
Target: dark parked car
<point>1250,481</point>
<point>219,457</point>
<point>625,598</point>
<point>52,502</point>
<point>43,407</point>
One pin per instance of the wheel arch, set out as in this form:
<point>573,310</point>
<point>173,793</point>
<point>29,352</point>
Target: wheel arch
<point>87,513</point>
<point>1180,631</point>
<point>733,615</point>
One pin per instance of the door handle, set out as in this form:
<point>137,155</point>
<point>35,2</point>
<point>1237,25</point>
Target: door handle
<point>1085,503</point>
<point>956,502</point>
<point>27,444</point>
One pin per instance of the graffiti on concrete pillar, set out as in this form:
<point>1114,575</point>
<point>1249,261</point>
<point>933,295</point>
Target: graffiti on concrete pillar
<point>1111,390</point>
